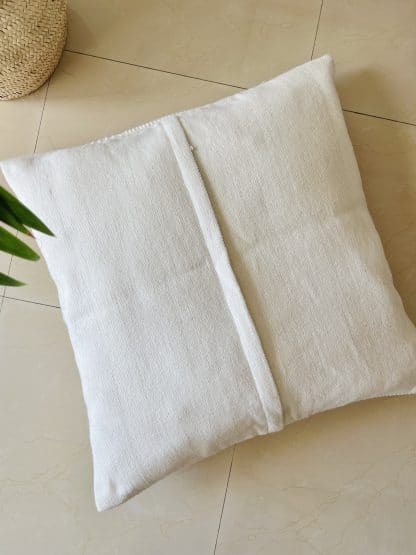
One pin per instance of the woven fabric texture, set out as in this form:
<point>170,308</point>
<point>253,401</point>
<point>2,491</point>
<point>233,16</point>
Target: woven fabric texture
<point>220,276</point>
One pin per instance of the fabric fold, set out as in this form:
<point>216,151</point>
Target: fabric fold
<point>211,232</point>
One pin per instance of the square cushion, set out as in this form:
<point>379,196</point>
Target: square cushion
<point>220,276</point>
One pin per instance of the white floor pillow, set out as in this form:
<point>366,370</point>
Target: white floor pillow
<point>220,276</point>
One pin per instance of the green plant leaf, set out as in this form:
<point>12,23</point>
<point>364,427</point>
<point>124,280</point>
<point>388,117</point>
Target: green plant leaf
<point>8,218</point>
<point>23,214</point>
<point>9,281</point>
<point>11,244</point>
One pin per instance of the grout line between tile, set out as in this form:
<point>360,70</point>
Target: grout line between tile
<point>154,69</point>
<point>220,82</point>
<point>223,501</point>
<point>31,302</point>
<point>317,27</point>
<point>41,115</point>
<point>379,117</point>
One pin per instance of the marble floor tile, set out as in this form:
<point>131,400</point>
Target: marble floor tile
<point>340,483</point>
<point>19,124</point>
<point>46,497</point>
<point>374,46</point>
<point>89,98</point>
<point>240,42</point>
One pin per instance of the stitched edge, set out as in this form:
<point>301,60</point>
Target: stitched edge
<point>250,342</point>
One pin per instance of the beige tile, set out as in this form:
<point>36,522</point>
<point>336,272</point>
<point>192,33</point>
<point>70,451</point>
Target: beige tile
<point>374,45</point>
<point>46,501</point>
<point>89,98</point>
<point>19,122</point>
<point>239,42</point>
<point>340,483</point>
<point>386,153</point>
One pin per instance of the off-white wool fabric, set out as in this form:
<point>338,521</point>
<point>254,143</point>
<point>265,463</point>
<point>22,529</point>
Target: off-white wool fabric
<point>220,276</point>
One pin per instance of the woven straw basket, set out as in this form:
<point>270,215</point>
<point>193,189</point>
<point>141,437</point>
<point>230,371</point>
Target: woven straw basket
<point>32,37</point>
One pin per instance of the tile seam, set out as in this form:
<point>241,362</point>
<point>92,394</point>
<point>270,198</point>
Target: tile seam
<point>317,29</point>
<point>224,500</point>
<point>239,87</point>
